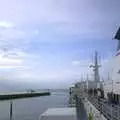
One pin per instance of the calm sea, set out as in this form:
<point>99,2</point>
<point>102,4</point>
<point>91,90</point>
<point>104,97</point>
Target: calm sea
<point>31,108</point>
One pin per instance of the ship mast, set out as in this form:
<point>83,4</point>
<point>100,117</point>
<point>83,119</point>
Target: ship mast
<point>96,67</point>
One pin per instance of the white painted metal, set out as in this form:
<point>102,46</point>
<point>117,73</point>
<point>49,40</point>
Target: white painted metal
<point>112,71</point>
<point>59,114</point>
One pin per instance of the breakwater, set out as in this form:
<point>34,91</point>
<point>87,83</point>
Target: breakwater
<point>23,95</point>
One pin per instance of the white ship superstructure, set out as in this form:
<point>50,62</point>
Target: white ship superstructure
<point>112,75</point>
<point>112,78</point>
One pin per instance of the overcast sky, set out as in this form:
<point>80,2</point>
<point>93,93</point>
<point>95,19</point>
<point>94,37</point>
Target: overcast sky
<point>49,43</point>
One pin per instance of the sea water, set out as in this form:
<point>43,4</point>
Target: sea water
<point>31,108</point>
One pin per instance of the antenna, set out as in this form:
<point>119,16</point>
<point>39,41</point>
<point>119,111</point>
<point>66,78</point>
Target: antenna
<point>92,58</point>
<point>82,78</point>
<point>112,82</point>
<point>108,76</point>
<point>99,60</point>
<point>87,81</point>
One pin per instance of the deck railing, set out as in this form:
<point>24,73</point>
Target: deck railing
<point>109,110</point>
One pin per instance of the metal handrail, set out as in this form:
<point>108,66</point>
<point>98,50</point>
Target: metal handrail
<point>110,111</point>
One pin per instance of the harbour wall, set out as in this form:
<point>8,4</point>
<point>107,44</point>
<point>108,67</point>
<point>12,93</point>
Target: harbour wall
<point>23,95</point>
